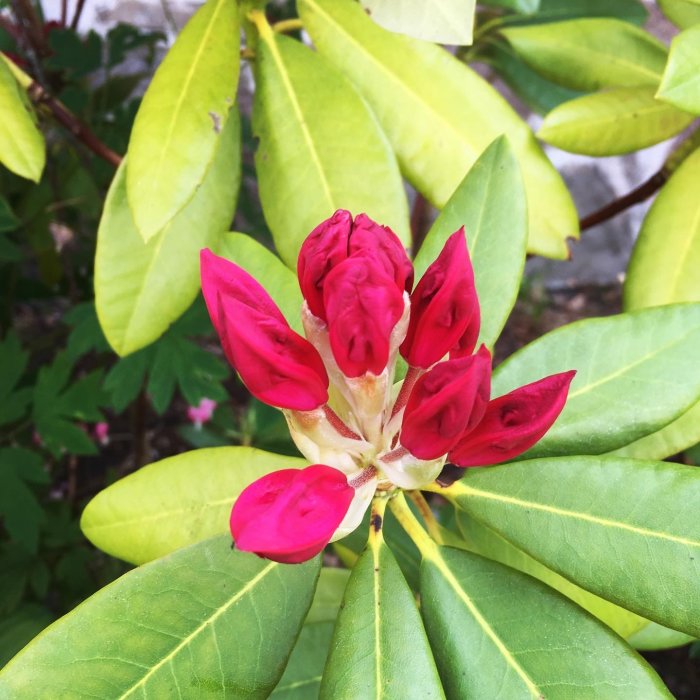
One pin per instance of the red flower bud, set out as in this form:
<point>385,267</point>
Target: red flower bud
<point>278,366</point>
<point>290,515</point>
<point>324,248</point>
<point>446,401</point>
<point>513,423</point>
<point>336,239</point>
<point>363,305</point>
<point>444,308</point>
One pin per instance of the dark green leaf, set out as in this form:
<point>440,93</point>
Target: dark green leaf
<point>13,360</point>
<point>634,525</point>
<point>379,648</point>
<point>498,633</point>
<point>205,620</point>
<point>20,628</point>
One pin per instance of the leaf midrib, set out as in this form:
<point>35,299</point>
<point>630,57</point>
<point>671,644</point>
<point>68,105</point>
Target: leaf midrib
<point>460,489</point>
<point>210,620</point>
<point>444,569</point>
<point>406,88</point>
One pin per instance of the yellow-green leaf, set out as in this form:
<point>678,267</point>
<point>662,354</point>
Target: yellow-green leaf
<point>22,148</point>
<point>320,149</point>
<point>141,288</point>
<point>439,115</point>
<point>446,22</point>
<point>612,122</point>
<point>182,117</point>
<point>591,53</point>
<point>683,13</point>
<point>175,502</point>
<point>681,82</point>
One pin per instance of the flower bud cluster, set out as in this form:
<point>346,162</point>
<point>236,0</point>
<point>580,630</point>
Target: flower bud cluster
<point>362,432</point>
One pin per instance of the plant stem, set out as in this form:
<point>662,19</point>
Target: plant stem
<point>77,15</point>
<point>287,25</point>
<point>409,382</point>
<point>428,516</point>
<point>410,524</point>
<point>376,521</point>
<point>340,427</point>
<point>419,216</point>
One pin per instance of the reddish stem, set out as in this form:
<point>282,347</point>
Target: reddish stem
<point>392,456</point>
<point>338,424</point>
<point>409,382</point>
<point>363,477</point>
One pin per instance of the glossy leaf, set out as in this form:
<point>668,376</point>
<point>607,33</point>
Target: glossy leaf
<point>499,652</point>
<point>653,637</point>
<point>329,595</point>
<point>538,93</point>
<point>612,122</point>
<point>636,373</point>
<point>524,6</point>
<point>379,648</point>
<point>175,502</point>
<point>438,114</point>
<point>141,288</point>
<point>558,10</point>
<point>678,435</point>
<point>320,148</point>
<point>666,257</point>
<point>683,13</point>
<point>277,279</point>
<point>302,677</point>
<point>446,22</point>
<point>20,627</point>
<point>22,148</point>
<point>634,523</point>
<point>681,82</point>
<point>480,539</point>
<point>490,204</point>
<point>173,628</point>
<point>590,54</point>
<point>179,125</point>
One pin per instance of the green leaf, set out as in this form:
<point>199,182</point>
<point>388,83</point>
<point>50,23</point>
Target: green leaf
<point>678,435</point>
<point>490,204</point>
<point>180,124</point>
<point>302,677</point>
<point>524,6</point>
<point>612,122</point>
<point>681,82</point>
<point>141,288</point>
<point>20,628</point>
<point>683,13</point>
<point>13,360</point>
<point>590,54</point>
<point>653,637</point>
<point>21,511</point>
<point>634,525</point>
<point>499,652</point>
<point>446,22</point>
<point>379,648</point>
<point>557,10</point>
<point>86,334</point>
<point>197,622</point>
<point>22,148</point>
<point>439,115</point>
<point>539,94</point>
<point>8,219</point>
<point>320,148</point>
<point>329,595</point>
<point>279,281</point>
<point>60,403</point>
<point>480,539</point>
<point>666,257</point>
<point>636,372</point>
<point>175,502</point>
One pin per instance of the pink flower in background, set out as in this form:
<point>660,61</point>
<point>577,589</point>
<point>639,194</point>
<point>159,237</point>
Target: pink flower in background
<point>101,433</point>
<point>336,386</point>
<point>201,414</point>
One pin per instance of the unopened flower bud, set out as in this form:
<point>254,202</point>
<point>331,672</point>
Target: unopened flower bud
<point>513,423</point>
<point>444,308</point>
<point>290,515</point>
<point>446,401</point>
<point>278,366</point>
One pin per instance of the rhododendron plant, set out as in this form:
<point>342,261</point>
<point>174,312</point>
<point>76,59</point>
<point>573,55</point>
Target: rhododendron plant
<point>336,387</point>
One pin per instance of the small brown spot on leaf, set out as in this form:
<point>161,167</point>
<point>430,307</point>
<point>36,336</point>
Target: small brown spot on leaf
<point>377,522</point>
<point>217,121</point>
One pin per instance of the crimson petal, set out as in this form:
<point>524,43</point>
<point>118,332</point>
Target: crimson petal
<point>290,515</point>
<point>513,423</point>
